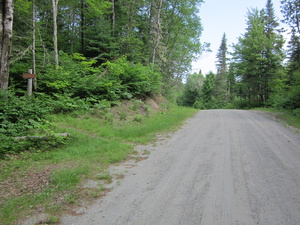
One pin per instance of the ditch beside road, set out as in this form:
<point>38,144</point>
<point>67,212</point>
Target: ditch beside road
<point>227,167</point>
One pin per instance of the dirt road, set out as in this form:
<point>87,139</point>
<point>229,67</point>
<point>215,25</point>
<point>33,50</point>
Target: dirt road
<point>224,167</point>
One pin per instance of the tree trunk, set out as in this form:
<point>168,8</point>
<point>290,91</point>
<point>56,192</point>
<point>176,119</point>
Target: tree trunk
<point>157,32</point>
<point>55,8</point>
<point>33,44</point>
<point>113,17</point>
<point>82,32</point>
<point>6,28</point>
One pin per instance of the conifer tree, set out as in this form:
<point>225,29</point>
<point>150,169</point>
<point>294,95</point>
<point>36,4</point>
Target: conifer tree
<point>220,88</point>
<point>273,53</point>
<point>290,10</point>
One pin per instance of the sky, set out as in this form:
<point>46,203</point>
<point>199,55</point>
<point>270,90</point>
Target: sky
<point>224,16</point>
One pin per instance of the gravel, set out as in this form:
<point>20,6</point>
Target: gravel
<point>223,167</point>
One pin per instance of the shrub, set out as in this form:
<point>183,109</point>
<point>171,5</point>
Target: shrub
<point>123,115</point>
<point>138,118</point>
<point>296,112</point>
<point>63,103</point>
<point>115,80</point>
<point>20,116</point>
<point>199,104</point>
<point>135,79</point>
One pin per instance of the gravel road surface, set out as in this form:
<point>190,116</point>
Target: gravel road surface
<point>223,167</point>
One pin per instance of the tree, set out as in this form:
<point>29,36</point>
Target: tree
<point>163,33</point>
<point>6,31</point>
<point>33,43</point>
<point>207,90</point>
<point>293,56</point>
<point>192,89</point>
<point>290,11</point>
<point>181,37</point>
<point>220,91</point>
<point>54,10</point>
<point>156,29</point>
<point>274,54</point>
<point>258,56</point>
<point>249,56</point>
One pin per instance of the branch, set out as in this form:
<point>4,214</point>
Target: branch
<point>42,137</point>
<point>21,54</point>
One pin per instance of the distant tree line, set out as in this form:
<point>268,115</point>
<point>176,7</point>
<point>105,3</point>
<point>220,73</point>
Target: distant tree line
<point>260,73</point>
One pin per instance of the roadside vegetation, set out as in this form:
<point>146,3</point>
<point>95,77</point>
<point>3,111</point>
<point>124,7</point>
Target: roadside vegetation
<point>51,180</point>
<point>287,117</point>
<point>114,76</point>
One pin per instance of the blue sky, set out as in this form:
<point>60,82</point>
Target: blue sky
<point>224,16</point>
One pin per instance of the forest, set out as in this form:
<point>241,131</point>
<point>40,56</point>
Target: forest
<point>88,53</point>
<point>260,71</point>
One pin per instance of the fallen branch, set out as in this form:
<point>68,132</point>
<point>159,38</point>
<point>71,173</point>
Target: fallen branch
<point>42,137</point>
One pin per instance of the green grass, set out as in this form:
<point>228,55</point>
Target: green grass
<point>136,132</point>
<point>94,145</point>
<point>285,116</point>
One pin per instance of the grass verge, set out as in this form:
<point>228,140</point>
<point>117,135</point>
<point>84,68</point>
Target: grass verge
<point>285,116</point>
<point>51,182</point>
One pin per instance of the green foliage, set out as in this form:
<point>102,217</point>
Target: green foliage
<point>136,79</point>
<point>198,104</point>
<point>103,31</point>
<point>20,116</point>
<point>207,89</point>
<point>258,57</point>
<point>220,89</point>
<point>138,118</point>
<point>290,12</point>
<point>287,99</point>
<point>192,89</point>
<point>79,80</point>
<point>94,146</point>
<point>63,103</point>
<point>123,115</point>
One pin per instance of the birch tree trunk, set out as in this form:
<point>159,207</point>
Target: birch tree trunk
<point>54,9</point>
<point>6,28</point>
<point>33,44</point>
<point>157,31</point>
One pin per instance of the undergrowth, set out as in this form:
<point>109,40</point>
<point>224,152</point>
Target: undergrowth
<point>55,178</point>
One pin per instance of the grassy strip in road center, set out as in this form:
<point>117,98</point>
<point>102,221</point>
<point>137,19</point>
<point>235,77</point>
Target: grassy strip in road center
<point>51,182</point>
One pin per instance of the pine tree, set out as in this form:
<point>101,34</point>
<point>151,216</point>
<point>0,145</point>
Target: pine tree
<point>273,53</point>
<point>293,56</point>
<point>258,56</point>
<point>220,88</point>
<point>290,10</point>
<point>207,89</point>
<point>249,57</point>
